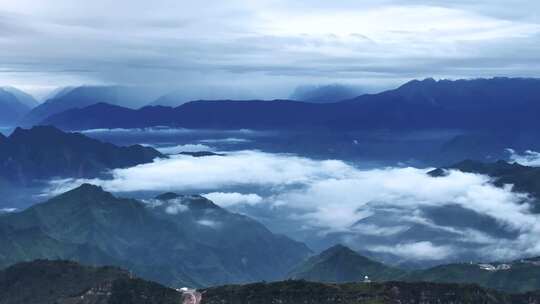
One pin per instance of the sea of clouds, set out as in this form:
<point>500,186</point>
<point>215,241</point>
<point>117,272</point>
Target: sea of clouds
<point>394,210</point>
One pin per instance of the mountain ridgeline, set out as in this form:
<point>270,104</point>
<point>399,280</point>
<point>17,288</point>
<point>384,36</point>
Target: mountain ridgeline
<point>63,282</point>
<point>44,152</point>
<point>325,93</point>
<point>294,292</point>
<point>340,264</point>
<point>474,105</point>
<point>175,240</point>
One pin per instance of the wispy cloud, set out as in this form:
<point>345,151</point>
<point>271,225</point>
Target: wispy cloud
<point>209,223</point>
<point>228,199</point>
<point>528,158</point>
<point>184,148</point>
<point>417,251</point>
<point>8,210</point>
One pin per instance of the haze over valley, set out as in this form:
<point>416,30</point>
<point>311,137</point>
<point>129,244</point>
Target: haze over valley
<point>269,152</point>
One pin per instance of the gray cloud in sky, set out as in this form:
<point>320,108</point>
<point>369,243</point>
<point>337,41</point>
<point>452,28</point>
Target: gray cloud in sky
<point>266,47</point>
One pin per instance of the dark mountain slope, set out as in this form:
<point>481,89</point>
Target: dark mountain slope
<point>340,264</point>
<point>63,282</point>
<point>28,244</point>
<point>104,115</point>
<point>517,276</point>
<point>45,152</point>
<point>176,240</point>
<point>225,114</point>
<point>248,251</point>
<point>294,292</point>
<point>473,105</point>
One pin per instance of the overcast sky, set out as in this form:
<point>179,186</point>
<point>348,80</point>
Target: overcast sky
<point>263,47</point>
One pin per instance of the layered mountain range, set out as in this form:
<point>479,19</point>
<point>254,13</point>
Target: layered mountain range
<point>14,104</point>
<point>172,239</point>
<point>426,104</point>
<point>340,264</point>
<point>433,122</point>
<point>182,240</point>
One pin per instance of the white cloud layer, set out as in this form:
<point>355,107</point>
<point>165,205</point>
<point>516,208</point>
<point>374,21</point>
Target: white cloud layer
<point>228,199</point>
<point>184,148</point>
<point>417,251</point>
<point>528,158</point>
<point>331,196</point>
<point>8,210</point>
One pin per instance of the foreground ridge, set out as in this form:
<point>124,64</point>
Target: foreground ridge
<point>66,282</point>
<point>294,292</point>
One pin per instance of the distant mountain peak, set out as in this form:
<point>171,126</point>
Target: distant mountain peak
<point>13,106</point>
<point>339,248</point>
<point>418,85</point>
<point>340,251</point>
<point>22,96</point>
<point>192,201</point>
<point>92,226</point>
<point>88,191</point>
<point>325,93</point>
<point>89,188</point>
<point>43,130</point>
<point>342,264</point>
<point>167,196</point>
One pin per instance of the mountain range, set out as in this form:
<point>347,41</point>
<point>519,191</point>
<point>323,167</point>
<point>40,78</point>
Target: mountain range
<point>44,152</point>
<point>325,93</point>
<point>429,122</point>
<point>64,282</point>
<point>83,96</point>
<point>175,240</point>
<point>340,264</point>
<point>426,104</point>
<point>294,292</point>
